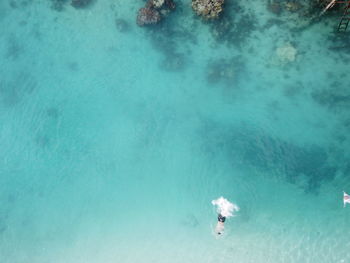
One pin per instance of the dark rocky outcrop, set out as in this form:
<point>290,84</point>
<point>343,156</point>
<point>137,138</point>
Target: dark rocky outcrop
<point>154,11</point>
<point>81,3</point>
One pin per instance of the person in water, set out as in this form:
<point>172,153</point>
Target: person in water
<point>225,209</point>
<point>220,226</point>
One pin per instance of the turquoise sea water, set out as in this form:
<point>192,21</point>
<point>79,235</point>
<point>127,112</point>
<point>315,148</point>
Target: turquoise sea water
<point>114,139</point>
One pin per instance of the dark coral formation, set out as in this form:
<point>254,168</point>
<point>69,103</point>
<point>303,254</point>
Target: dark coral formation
<point>81,3</point>
<point>19,3</point>
<point>306,166</point>
<point>173,40</point>
<point>166,38</point>
<point>298,15</point>
<point>52,113</point>
<point>340,44</point>
<point>154,11</point>
<point>147,16</point>
<point>14,48</point>
<point>333,98</point>
<point>122,25</point>
<point>58,5</point>
<point>224,70</point>
<point>208,9</point>
<point>233,31</point>
<point>234,26</point>
<point>277,7</point>
<point>274,7</point>
<point>14,90</point>
<point>293,6</point>
<point>174,62</point>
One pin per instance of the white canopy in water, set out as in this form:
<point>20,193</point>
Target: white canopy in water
<point>346,199</point>
<point>224,207</point>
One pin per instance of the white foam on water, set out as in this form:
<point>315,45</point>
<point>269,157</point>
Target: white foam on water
<point>225,207</point>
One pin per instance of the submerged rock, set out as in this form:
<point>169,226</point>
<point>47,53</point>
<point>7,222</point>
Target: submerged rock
<point>157,3</point>
<point>81,3</point>
<point>286,54</point>
<point>274,7</point>
<point>154,11</point>
<point>147,16</point>
<point>170,4</point>
<point>334,97</point>
<point>58,5</point>
<point>122,25</point>
<point>161,4</point>
<point>293,6</point>
<point>234,26</point>
<point>224,70</point>
<point>174,62</point>
<point>209,9</point>
<point>277,7</point>
<point>307,166</point>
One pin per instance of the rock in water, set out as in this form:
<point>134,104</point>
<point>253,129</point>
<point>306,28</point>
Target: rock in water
<point>154,11</point>
<point>286,53</point>
<point>147,16</point>
<point>157,3</point>
<point>81,3</point>
<point>122,25</point>
<point>209,9</point>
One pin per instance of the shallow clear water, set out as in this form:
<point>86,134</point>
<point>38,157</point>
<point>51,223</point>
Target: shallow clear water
<point>113,141</point>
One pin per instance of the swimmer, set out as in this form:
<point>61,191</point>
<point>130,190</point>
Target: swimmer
<point>225,209</point>
<point>220,226</point>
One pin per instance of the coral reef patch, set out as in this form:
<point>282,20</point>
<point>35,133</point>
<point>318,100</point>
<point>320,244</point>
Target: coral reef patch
<point>286,53</point>
<point>208,9</point>
<point>173,40</point>
<point>296,15</point>
<point>234,26</point>
<point>224,70</point>
<point>147,16</point>
<point>14,90</point>
<point>334,98</point>
<point>246,147</point>
<point>154,11</point>
<point>122,25</point>
<point>58,5</point>
<point>81,3</point>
